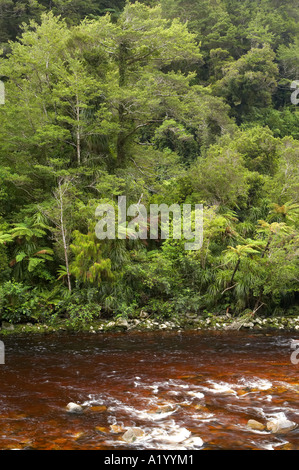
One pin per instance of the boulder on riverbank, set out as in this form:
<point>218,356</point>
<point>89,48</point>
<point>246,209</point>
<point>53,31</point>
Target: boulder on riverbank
<point>122,323</point>
<point>184,322</point>
<point>7,326</point>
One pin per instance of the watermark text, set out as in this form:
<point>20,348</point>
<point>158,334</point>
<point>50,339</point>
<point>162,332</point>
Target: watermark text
<point>2,353</point>
<point>295,94</point>
<point>295,353</point>
<point>162,222</point>
<point>2,93</point>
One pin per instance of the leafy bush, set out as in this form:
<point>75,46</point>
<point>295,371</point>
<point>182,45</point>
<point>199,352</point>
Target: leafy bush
<point>80,308</point>
<point>80,315</point>
<point>17,304</point>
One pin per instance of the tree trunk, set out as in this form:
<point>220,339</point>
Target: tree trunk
<point>63,235</point>
<point>259,302</point>
<point>235,270</point>
<point>78,134</point>
<point>121,138</point>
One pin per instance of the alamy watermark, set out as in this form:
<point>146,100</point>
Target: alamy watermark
<point>2,353</point>
<point>2,93</point>
<point>155,225</point>
<point>295,94</point>
<point>295,353</point>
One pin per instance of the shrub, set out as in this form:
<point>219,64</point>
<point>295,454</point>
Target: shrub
<point>17,304</point>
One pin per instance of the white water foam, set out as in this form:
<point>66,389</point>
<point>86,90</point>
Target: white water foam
<point>256,383</point>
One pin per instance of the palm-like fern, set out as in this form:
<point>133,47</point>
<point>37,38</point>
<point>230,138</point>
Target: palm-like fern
<point>29,253</point>
<point>288,212</point>
<point>236,254</point>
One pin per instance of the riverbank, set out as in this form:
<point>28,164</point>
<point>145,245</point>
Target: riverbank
<point>149,323</point>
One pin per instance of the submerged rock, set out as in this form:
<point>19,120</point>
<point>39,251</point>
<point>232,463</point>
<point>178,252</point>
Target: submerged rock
<point>98,408</point>
<point>116,428</point>
<point>78,435</point>
<point>166,409</point>
<point>163,409</point>
<point>195,394</point>
<point>102,429</point>
<point>132,434</point>
<point>194,442</point>
<point>176,437</point>
<point>74,408</point>
<point>280,424</point>
<point>255,425</point>
<point>222,389</point>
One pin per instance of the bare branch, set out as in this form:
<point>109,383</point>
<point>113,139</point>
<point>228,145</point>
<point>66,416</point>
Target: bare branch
<point>229,288</point>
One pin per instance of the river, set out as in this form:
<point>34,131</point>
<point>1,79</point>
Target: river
<point>184,390</point>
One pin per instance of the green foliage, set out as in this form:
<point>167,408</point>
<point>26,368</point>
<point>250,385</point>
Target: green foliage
<point>171,101</point>
<point>79,315</point>
<point>250,81</point>
<point>221,177</point>
<point>18,303</point>
<point>28,252</point>
<point>88,265</point>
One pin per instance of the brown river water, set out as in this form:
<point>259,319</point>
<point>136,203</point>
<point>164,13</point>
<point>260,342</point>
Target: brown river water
<point>185,390</point>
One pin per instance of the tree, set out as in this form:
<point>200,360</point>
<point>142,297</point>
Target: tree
<point>58,212</point>
<point>97,78</point>
<point>259,148</point>
<point>15,12</point>
<point>74,91</point>
<point>250,81</point>
<point>210,22</point>
<point>281,242</point>
<point>139,91</point>
<point>288,57</point>
<point>30,72</point>
<point>221,177</point>
<point>51,94</point>
<point>284,186</point>
<point>236,254</point>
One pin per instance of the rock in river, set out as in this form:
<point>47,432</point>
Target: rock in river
<point>193,442</point>
<point>280,424</point>
<point>74,408</point>
<point>255,425</point>
<point>132,434</point>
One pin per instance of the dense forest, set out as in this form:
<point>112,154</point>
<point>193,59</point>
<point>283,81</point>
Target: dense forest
<point>173,102</point>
